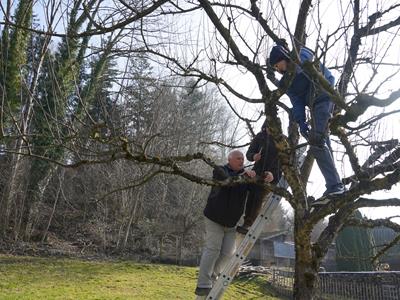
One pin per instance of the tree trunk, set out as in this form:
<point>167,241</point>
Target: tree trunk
<point>52,213</point>
<point>306,168</point>
<point>31,211</point>
<point>128,227</point>
<point>15,191</point>
<point>306,268</point>
<point>119,235</point>
<point>14,188</point>
<point>133,218</point>
<point>161,246</point>
<point>180,247</point>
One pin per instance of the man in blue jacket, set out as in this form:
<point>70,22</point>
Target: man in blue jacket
<point>304,92</point>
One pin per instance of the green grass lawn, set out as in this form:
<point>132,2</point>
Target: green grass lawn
<point>52,278</point>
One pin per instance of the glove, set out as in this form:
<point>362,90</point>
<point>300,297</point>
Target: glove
<point>304,129</point>
<point>283,43</point>
<point>271,74</point>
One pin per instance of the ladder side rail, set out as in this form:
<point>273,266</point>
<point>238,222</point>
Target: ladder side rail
<point>229,271</point>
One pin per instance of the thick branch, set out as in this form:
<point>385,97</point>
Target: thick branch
<point>224,145</point>
<point>389,164</point>
<point>353,52</point>
<point>171,163</point>
<point>362,102</point>
<point>337,221</point>
<point>255,12</point>
<point>372,172</point>
<point>374,223</point>
<point>369,122</point>
<point>346,200</point>
<point>299,34</point>
<point>379,151</point>
<point>365,202</point>
<point>330,232</point>
<point>355,165</point>
<point>382,251</point>
<point>365,31</point>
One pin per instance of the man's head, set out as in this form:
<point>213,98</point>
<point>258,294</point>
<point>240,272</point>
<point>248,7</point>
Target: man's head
<point>279,59</point>
<point>236,160</point>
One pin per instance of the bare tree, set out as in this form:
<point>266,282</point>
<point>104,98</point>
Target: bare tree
<point>229,45</point>
<point>226,40</point>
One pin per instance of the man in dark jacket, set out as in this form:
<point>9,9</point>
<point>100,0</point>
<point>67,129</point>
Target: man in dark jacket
<point>225,204</point>
<point>263,152</point>
<point>223,210</point>
<point>304,92</point>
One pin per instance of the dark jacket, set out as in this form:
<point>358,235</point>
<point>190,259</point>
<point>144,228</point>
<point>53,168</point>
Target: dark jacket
<point>269,155</point>
<point>225,205</point>
<point>302,92</point>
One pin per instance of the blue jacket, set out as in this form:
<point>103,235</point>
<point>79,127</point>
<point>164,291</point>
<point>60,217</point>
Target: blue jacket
<point>302,92</point>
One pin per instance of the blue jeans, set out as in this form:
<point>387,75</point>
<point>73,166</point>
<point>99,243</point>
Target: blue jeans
<point>320,144</point>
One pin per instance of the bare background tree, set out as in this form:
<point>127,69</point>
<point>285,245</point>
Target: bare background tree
<point>112,115</point>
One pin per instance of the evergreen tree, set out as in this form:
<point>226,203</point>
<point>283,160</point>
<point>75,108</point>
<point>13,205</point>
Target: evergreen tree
<point>355,248</point>
<point>13,69</point>
<point>15,57</point>
<point>58,98</point>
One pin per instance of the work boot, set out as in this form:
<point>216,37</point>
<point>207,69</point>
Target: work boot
<point>242,229</point>
<point>202,291</point>
<point>336,190</point>
<point>329,195</point>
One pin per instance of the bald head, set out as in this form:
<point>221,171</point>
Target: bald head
<point>236,160</point>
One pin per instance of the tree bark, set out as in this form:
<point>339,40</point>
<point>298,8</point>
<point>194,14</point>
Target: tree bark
<point>31,211</point>
<point>306,269</point>
<point>53,211</point>
<point>14,188</point>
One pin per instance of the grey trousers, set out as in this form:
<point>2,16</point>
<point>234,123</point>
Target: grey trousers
<point>219,247</point>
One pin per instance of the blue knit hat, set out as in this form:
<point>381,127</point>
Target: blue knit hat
<point>277,54</point>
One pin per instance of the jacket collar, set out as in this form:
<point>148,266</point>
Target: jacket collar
<point>232,171</point>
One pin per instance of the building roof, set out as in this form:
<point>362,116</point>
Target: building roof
<point>284,250</point>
